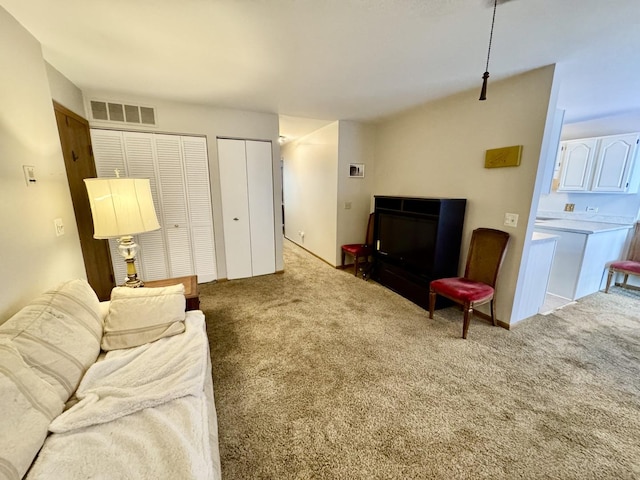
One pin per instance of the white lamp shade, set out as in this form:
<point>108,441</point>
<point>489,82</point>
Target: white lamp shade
<point>121,206</point>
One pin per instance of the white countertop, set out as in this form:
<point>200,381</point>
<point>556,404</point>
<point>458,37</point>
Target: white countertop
<point>580,226</point>
<point>543,237</point>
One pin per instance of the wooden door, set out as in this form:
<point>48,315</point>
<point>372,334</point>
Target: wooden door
<point>78,159</point>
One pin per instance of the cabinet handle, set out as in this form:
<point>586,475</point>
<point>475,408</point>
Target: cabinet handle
<point>236,219</point>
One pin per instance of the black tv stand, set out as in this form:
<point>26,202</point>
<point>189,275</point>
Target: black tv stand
<point>417,240</point>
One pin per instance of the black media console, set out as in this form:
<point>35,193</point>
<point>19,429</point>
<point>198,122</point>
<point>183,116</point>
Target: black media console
<point>417,240</point>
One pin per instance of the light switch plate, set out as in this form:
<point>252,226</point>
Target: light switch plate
<point>511,219</point>
<point>29,174</point>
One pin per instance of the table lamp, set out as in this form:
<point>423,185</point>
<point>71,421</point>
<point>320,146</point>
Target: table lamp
<point>121,208</point>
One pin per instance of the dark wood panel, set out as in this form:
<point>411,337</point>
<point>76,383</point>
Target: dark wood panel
<point>75,140</point>
<point>439,254</point>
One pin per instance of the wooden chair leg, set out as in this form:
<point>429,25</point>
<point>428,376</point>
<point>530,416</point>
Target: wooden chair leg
<point>493,314</point>
<point>355,262</point>
<point>468,312</point>
<point>342,258</point>
<point>609,277</point>
<point>624,281</point>
<point>432,302</point>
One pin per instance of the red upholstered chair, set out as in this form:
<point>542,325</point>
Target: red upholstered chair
<point>360,250</point>
<point>477,287</point>
<point>630,266</point>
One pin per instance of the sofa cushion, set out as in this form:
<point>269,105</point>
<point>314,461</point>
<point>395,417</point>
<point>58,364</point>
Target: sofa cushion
<point>58,334</point>
<point>142,315</point>
<point>28,404</point>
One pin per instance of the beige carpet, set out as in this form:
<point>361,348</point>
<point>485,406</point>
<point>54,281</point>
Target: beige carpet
<point>320,375</point>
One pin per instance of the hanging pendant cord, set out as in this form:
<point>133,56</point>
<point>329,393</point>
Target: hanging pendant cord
<point>493,21</point>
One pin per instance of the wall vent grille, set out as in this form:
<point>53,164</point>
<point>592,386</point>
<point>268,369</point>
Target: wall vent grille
<point>122,113</point>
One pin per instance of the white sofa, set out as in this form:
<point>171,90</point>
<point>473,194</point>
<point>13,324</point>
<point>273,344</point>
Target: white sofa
<point>143,409</point>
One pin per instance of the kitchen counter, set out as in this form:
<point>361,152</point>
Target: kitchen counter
<point>543,237</point>
<point>579,226</point>
<point>583,251</point>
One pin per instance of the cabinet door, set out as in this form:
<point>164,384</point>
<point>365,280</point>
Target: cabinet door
<point>235,207</point>
<point>260,189</point>
<point>577,165</point>
<point>614,163</point>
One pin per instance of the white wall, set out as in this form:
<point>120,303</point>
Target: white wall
<point>356,145</point>
<point>175,117</point>
<point>64,92</point>
<point>33,258</point>
<point>437,150</point>
<point>310,178</point>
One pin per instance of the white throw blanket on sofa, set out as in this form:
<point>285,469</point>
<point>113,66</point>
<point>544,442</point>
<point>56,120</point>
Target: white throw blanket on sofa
<point>112,430</point>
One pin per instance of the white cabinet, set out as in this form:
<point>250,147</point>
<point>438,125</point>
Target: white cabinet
<point>246,185</point>
<point>536,280</point>
<point>581,260</point>
<point>599,164</point>
<point>177,167</point>
<point>577,164</point>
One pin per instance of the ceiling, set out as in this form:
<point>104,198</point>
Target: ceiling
<point>338,59</point>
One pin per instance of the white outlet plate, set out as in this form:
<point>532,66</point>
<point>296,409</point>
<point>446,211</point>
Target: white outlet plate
<point>59,227</point>
<point>511,220</point>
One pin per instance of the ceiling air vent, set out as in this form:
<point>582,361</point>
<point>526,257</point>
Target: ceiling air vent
<point>122,113</point>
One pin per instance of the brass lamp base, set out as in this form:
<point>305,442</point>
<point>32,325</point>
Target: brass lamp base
<point>128,249</point>
<point>132,277</point>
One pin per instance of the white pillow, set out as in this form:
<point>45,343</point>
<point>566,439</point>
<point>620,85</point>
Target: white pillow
<point>28,404</point>
<point>142,315</point>
<point>58,334</point>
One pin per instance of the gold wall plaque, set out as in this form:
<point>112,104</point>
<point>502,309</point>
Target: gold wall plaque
<point>503,157</point>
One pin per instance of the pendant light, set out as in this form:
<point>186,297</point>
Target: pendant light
<point>485,76</point>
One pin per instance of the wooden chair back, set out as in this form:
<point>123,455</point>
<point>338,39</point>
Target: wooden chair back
<point>486,253</point>
<point>369,238</point>
<point>634,247</point>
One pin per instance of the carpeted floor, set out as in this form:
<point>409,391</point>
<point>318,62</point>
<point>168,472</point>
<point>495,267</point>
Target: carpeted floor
<point>321,375</point>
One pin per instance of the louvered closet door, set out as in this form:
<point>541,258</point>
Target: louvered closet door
<point>196,165</point>
<point>261,223</point>
<point>174,204</point>
<point>140,153</point>
<point>109,156</point>
<point>235,207</point>
<point>177,167</point>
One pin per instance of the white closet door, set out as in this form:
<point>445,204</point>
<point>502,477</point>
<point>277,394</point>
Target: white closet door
<point>109,156</point>
<point>174,204</point>
<point>177,167</point>
<point>140,152</point>
<point>196,165</point>
<point>235,207</point>
<point>260,186</point>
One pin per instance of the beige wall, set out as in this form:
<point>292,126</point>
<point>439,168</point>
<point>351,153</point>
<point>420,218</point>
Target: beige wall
<point>317,186</point>
<point>437,150</point>
<point>183,118</point>
<point>64,92</point>
<point>33,258</point>
<point>310,172</point>
<point>356,145</point>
